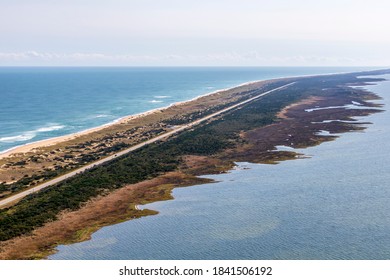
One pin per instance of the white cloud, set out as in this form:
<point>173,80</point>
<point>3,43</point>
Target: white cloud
<point>252,58</point>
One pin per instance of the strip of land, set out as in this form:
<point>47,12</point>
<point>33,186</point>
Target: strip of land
<point>72,209</point>
<point>28,166</point>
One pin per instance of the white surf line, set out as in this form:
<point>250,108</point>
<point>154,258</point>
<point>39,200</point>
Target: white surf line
<point>61,178</point>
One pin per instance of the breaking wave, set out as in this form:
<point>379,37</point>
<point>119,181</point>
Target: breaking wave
<point>28,135</point>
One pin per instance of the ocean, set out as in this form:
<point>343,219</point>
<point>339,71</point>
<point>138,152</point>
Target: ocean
<point>41,103</point>
<point>332,205</point>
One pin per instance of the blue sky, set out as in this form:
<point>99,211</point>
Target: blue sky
<point>188,32</point>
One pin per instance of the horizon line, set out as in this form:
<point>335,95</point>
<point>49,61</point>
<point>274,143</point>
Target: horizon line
<point>187,66</point>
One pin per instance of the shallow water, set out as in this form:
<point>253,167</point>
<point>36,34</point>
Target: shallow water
<point>333,205</point>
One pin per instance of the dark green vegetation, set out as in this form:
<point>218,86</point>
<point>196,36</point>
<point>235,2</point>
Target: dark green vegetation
<point>155,159</point>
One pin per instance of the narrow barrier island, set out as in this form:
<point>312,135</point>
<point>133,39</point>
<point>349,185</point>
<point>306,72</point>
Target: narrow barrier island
<point>295,116</point>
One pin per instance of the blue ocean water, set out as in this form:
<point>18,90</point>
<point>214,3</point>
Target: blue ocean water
<point>333,205</point>
<point>40,103</point>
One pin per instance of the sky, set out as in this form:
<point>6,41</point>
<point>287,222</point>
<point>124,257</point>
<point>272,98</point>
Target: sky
<point>194,33</point>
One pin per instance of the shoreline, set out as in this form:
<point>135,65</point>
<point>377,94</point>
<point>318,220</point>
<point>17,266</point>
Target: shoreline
<point>29,147</point>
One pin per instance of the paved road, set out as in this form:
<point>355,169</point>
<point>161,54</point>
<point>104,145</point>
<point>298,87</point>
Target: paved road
<point>61,178</point>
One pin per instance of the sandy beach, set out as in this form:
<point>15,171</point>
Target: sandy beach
<point>56,140</point>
